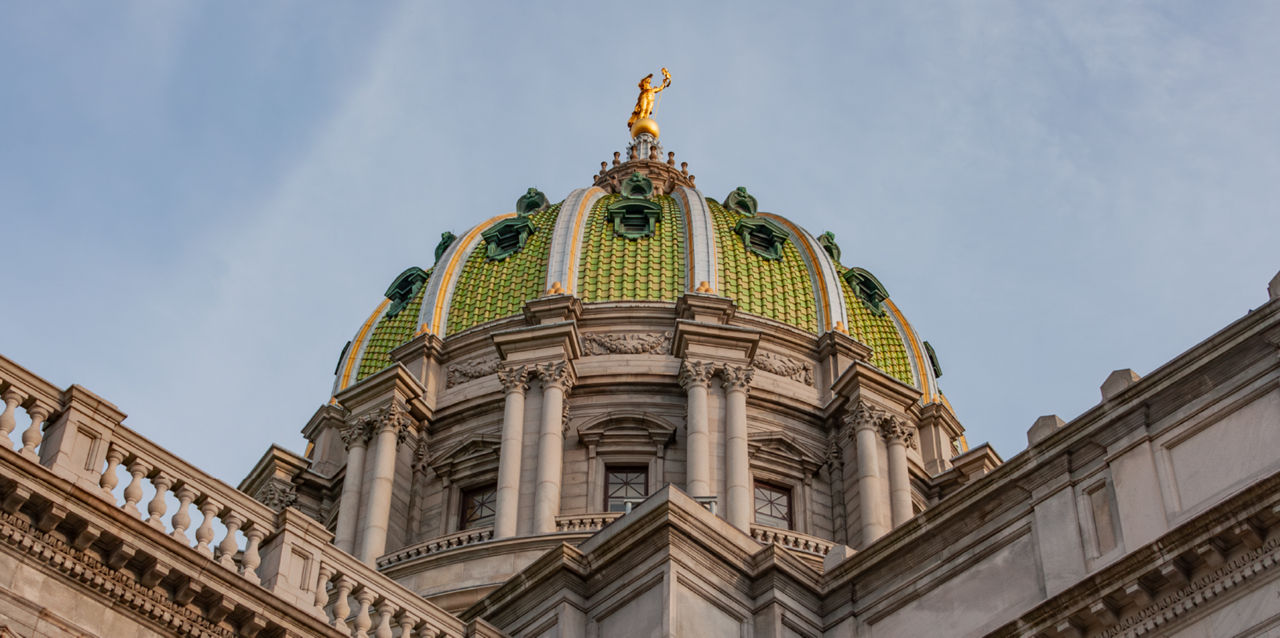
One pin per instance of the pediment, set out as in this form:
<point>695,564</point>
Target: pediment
<point>475,453</point>
<point>780,449</point>
<point>623,429</point>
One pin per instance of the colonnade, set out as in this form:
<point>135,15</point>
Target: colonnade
<point>387,428</point>
<point>869,424</point>
<point>695,377</point>
<point>557,378</point>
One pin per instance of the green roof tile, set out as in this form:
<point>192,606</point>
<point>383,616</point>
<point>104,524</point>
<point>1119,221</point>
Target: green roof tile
<point>615,268</point>
<point>888,352</point>
<point>388,334</point>
<point>777,289</point>
<point>488,290</point>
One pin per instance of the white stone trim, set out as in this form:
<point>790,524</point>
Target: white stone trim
<point>566,240</point>
<point>433,317</point>
<point>916,356</point>
<point>699,239</point>
<point>822,274</point>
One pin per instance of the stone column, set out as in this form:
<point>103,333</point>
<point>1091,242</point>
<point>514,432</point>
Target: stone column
<point>391,427</point>
<point>557,378</point>
<point>515,381</point>
<point>898,434</point>
<point>695,377</point>
<point>737,469</point>
<point>863,419</point>
<point>355,436</point>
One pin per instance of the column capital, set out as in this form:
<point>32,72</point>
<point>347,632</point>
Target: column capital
<point>355,434</point>
<point>895,429</point>
<point>696,373</point>
<point>737,377</point>
<point>513,378</point>
<point>559,374</point>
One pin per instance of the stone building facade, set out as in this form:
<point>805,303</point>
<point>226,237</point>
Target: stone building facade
<point>641,411</point>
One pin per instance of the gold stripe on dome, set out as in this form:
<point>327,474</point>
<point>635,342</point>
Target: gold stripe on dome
<point>910,337</point>
<point>355,346</point>
<point>464,249</point>
<point>814,266</point>
<point>574,242</point>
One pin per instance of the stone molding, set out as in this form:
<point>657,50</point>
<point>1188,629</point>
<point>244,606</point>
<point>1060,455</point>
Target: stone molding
<point>602,343</point>
<point>470,370</point>
<point>784,367</point>
<point>696,373</point>
<point>737,377</point>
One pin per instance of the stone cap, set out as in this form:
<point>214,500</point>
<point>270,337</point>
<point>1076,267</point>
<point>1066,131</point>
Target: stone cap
<point>1043,427</point>
<point>1117,382</point>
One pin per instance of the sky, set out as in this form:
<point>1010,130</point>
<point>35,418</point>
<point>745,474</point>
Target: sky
<point>200,202</point>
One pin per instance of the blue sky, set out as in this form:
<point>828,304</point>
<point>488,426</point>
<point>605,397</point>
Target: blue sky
<point>202,201</point>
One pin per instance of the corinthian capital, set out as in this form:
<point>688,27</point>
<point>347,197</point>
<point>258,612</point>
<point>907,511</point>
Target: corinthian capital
<point>896,429</point>
<point>696,373</point>
<point>737,377</point>
<point>355,433</point>
<point>557,374</point>
<point>513,378</point>
<point>864,416</point>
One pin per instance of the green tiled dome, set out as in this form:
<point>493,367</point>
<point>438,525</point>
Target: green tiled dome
<point>616,268</point>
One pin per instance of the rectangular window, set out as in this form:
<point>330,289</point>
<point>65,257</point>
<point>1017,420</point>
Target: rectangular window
<point>477,507</point>
<point>623,486</point>
<point>773,505</point>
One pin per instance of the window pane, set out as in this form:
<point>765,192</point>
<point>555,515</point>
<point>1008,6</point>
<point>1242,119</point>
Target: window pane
<point>773,506</point>
<point>623,485</point>
<point>478,507</point>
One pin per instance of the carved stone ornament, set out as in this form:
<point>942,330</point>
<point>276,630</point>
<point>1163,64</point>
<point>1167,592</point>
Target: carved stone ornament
<point>784,367</point>
<point>356,433</point>
<point>890,426</point>
<point>420,455</point>
<point>737,377</point>
<point>471,369</point>
<point>598,343</point>
<point>514,378</point>
<point>277,495</point>
<point>696,373</point>
<point>557,374</point>
<point>895,428</point>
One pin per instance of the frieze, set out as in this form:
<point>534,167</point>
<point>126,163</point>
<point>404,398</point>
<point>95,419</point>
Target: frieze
<point>600,343</point>
<point>81,565</point>
<point>470,370</point>
<point>784,367</point>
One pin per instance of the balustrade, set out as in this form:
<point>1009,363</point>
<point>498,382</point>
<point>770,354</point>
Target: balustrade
<point>791,540</point>
<point>245,537</point>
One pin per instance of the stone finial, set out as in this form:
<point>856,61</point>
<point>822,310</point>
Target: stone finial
<point>1043,427</point>
<point>1117,382</point>
<point>1273,288</point>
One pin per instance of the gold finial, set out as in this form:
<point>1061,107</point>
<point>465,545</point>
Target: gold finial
<point>640,121</point>
<point>704,287</point>
<point>555,289</point>
<point>839,327</point>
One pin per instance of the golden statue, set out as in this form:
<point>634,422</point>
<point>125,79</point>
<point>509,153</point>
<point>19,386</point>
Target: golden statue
<point>644,103</point>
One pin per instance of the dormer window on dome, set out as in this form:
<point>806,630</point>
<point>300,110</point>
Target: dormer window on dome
<point>507,237</point>
<point>762,236</point>
<point>868,289</point>
<point>742,202</point>
<point>404,288</point>
<point>635,216</point>
<point>532,201</point>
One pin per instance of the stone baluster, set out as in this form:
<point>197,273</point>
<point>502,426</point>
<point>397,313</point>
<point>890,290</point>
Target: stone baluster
<point>557,378</point>
<point>321,599</point>
<point>738,499</point>
<point>204,534</point>
<point>864,420</point>
<point>356,438</point>
<point>898,435</point>
<point>695,377</point>
<point>365,598</point>
<point>407,622</point>
<point>341,606</point>
<point>515,382</point>
<point>110,478</point>
<point>252,558</point>
<point>133,491</point>
<point>182,517</point>
<point>34,433</point>
<point>229,545</point>
<point>385,611</point>
<point>156,508</point>
<point>12,398</point>
<point>391,427</point>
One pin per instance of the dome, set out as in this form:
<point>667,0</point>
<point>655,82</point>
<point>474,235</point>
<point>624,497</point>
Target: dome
<point>644,234</point>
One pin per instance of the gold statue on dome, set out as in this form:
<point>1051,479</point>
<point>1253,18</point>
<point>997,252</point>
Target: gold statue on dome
<point>645,103</point>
